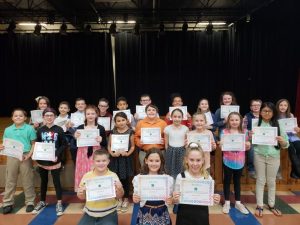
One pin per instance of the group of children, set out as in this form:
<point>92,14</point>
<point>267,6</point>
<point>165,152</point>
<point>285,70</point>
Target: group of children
<point>174,155</point>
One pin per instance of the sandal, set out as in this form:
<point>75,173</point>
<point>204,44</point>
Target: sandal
<point>275,211</point>
<point>259,211</point>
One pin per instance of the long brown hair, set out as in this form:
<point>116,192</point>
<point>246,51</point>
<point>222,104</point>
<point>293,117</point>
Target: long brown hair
<point>96,110</point>
<point>233,102</point>
<point>288,111</point>
<point>145,168</point>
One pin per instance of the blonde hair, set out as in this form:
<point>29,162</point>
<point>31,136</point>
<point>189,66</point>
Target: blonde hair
<point>195,147</point>
<point>199,114</point>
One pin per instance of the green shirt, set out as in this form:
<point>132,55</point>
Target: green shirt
<point>25,134</point>
<point>267,150</point>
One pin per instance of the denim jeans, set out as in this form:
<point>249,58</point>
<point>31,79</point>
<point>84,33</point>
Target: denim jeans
<point>250,157</point>
<point>110,219</point>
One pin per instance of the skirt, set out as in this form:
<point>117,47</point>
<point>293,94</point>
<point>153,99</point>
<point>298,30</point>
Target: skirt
<point>174,160</point>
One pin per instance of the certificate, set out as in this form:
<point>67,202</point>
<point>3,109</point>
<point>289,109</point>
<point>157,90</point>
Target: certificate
<point>44,151</point>
<point>61,122</point>
<point>12,148</point>
<point>265,136</point>
<point>196,192</point>
<point>182,108</point>
<point>127,112</point>
<point>36,116</point>
<point>153,187</point>
<point>203,139</point>
<point>254,122</point>
<point>105,122</point>
<point>233,142</point>
<point>209,119</point>
<point>151,135</point>
<point>288,124</point>
<point>226,109</point>
<point>87,137</point>
<point>119,142</point>
<point>140,111</point>
<point>100,188</point>
<point>77,119</point>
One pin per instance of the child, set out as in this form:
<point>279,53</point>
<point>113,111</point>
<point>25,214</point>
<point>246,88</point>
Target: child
<point>123,105</point>
<point>103,106</point>
<point>203,107</point>
<point>42,103</point>
<point>152,212</point>
<point>175,136</point>
<point>151,121</point>
<point>199,122</point>
<point>284,111</point>
<point>144,100</point>
<point>101,211</point>
<point>194,169</point>
<point>51,133</point>
<point>255,105</point>
<point>122,161</point>
<point>233,163</point>
<point>84,160</point>
<point>176,100</point>
<point>267,160</point>
<point>24,133</point>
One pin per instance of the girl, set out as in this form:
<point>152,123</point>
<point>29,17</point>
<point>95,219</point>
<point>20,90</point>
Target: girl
<point>51,133</point>
<point>203,107</point>
<point>84,160</point>
<point>175,136</point>
<point>101,211</point>
<point>233,163</point>
<point>152,212</point>
<point>267,160</point>
<point>24,133</point>
<point>284,111</point>
<point>121,161</point>
<point>42,103</point>
<point>194,169</point>
<point>199,122</point>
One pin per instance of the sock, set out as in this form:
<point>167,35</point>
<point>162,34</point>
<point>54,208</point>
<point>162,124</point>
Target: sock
<point>237,202</point>
<point>227,202</point>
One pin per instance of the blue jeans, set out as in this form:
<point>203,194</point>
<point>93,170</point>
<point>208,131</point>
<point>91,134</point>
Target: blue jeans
<point>250,157</point>
<point>110,219</point>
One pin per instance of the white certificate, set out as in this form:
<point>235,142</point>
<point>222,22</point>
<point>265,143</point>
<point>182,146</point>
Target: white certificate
<point>77,119</point>
<point>61,122</point>
<point>265,136</point>
<point>119,142</point>
<point>44,151</point>
<point>288,124</point>
<point>196,192</point>
<point>203,139</point>
<point>36,116</point>
<point>87,137</point>
<point>12,148</point>
<point>100,188</point>
<point>105,122</point>
<point>254,122</point>
<point>182,108</point>
<point>127,112</point>
<point>153,187</point>
<point>209,119</point>
<point>233,142</point>
<point>226,109</point>
<point>140,111</point>
<point>151,135</point>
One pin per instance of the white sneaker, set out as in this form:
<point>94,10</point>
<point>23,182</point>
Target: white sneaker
<point>119,206</point>
<point>39,207</point>
<point>226,208</point>
<point>59,209</point>
<point>241,208</point>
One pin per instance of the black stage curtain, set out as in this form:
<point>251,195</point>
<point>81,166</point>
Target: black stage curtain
<point>59,67</point>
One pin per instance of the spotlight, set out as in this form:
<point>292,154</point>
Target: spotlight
<point>137,29</point>
<point>209,28</point>
<point>63,28</point>
<point>113,28</point>
<point>11,27</point>
<point>37,29</point>
<point>185,26</point>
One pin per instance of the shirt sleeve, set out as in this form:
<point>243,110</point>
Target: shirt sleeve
<point>32,134</point>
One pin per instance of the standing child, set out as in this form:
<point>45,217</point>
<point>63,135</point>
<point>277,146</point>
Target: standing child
<point>103,106</point>
<point>144,101</point>
<point>51,133</point>
<point>24,133</point>
<point>123,105</point>
<point>233,163</point>
<point>153,212</point>
<point>121,162</point>
<point>175,136</point>
<point>84,160</point>
<point>101,211</point>
<point>267,160</point>
<point>42,103</point>
<point>203,107</point>
<point>194,169</point>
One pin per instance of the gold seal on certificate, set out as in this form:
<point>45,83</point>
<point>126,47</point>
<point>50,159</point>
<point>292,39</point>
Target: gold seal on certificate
<point>119,142</point>
<point>182,108</point>
<point>202,139</point>
<point>265,136</point>
<point>140,111</point>
<point>233,142</point>
<point>44,151</point>
<point>151,135</point>
<point>153,187</point>
<point>12,148</point>
<point>77,119</point>
<point>36,116</point>
<point>100,188</point>
<point>288,124</point>
<point>88,137</point>
<point>226,109</point>
<point>196,192</point>
<point>105,122</point>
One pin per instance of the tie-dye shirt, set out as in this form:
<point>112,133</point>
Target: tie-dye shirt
<point>234,159</point>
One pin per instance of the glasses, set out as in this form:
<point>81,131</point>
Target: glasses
<point>256,105</point>
<point>145,100</point>
<point>267,111</point>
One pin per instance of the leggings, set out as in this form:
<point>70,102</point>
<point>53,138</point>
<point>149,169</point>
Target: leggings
<point>228,173</point>
<point>44,182</point>
<point>294,154</point>
<point>126,186</point>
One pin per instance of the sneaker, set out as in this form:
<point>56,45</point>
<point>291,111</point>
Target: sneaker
<point>226,208</point>
<point>279,176</point>
<point>29,208</point>
<point>38,207</point>
<point>124,207</point>
<point>119,206</point>
<point>252,174</point>
<point>59,209</point>
<point>241,208</point>
<point>7,209</point>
